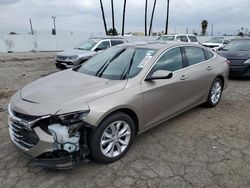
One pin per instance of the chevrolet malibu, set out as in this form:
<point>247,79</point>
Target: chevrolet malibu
<point>96,109</point>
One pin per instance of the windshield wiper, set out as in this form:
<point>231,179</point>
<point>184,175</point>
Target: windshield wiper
<point>126,71</point>
<point>105,65</point>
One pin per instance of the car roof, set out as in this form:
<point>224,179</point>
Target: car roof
<point>103,38</point>
<point>179,34</point>
<point>243,38</point>
<point>158,45</point>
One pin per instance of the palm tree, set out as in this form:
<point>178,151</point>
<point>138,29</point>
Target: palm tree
<point>123,17</point>
<point>152,17</point>
<point>113,16</point>
<point>103,18</point>
<point>146,7</point>
<point>166,27</point>
<point>204,24</point>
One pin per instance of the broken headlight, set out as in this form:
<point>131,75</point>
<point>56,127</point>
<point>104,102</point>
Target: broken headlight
<point>73,117</point>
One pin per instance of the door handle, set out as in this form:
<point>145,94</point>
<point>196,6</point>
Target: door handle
<point>183,77</point>
<point>209,68</point>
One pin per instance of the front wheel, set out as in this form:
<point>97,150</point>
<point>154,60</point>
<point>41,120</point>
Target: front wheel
<point>214,93</point>
<point>112,138</point>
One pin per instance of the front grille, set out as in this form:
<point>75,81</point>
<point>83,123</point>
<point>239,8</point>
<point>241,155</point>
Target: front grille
<point>63,58</point>
<point>24,116</point>
<point>22,135</point>
<point>20,129</point>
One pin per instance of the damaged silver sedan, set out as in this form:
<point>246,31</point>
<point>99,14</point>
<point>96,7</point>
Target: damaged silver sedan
<point>96,109</point>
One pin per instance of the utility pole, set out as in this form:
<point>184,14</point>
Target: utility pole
<point>54,29</point>
<point>31,28</point>
<point>212,30</point>
<point>166,29</point>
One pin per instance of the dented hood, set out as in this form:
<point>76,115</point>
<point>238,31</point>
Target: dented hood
<point>67,91</point>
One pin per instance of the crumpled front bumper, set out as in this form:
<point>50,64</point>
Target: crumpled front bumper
<point>38,145</point>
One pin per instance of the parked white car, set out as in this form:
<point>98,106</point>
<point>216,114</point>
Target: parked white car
<point>216,43</point>
<point>179,37</point>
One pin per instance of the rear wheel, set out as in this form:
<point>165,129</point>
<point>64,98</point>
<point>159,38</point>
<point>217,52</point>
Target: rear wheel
<point>112,138</point>
<point>214,93</point>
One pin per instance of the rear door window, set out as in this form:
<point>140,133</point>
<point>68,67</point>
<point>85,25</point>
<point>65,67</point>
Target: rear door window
<point>208,54</point>
<point>184,39</point>
<point>192,39</point>
<point>116,42</point>
<point>194,55</point>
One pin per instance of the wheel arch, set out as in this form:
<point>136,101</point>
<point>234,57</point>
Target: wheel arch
<point>127,111</point>
<point>222,79</point>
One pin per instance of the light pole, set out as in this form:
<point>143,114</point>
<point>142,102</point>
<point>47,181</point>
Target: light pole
<point>212,30</point>
<point>54,29</point>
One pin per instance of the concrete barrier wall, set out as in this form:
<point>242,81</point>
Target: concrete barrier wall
<point>46,42</point>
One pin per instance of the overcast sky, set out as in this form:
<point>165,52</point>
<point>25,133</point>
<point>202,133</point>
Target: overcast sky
<point>85,15</point>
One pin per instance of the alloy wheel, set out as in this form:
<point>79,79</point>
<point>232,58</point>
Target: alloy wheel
<point>216,92</point>
<point>115,139</point>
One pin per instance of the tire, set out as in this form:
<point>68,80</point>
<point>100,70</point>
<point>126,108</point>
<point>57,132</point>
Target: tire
<point>215,93</point>
<point>105,138</point>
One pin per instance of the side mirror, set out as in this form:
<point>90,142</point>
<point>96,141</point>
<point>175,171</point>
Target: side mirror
<point>160,74</point>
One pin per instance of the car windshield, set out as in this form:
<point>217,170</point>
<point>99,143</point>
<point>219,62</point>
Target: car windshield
<point>87,45</point>
<point>238,45</point>
<point>166,38</point>
<point>117,63</point>
<point>216,40</point>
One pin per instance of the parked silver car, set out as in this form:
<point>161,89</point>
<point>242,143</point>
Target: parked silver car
<point>84,51</point>
<point>98,108</point>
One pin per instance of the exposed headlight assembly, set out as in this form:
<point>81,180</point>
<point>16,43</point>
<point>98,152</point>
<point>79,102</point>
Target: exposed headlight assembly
<point>247,62</point>
<point>73,117</point>
<point>66,134</point>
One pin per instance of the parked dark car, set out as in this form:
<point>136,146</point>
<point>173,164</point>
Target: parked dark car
<point>238,53</point>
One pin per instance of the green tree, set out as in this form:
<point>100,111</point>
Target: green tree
<point>112,32</point>
<point>204,25</point>
<point>13,33</point>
